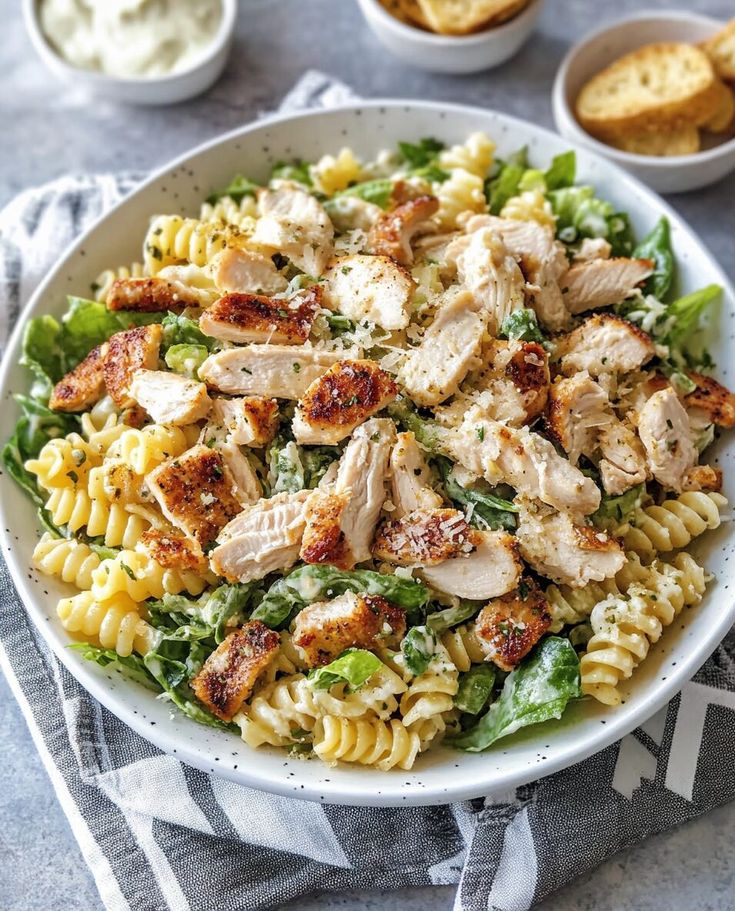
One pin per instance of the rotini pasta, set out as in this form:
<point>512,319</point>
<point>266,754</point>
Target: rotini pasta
<point>531,205</point>
<point>659,529</point>
<point>63,463</point>
<point>172,239</point>
<point>431,693</point>
<point>70,560</point>
<point>140,577</point>
<point>333,173</point>
<point>462,647</point>
<point>383,744</point>
<point>228,212</point>
<point>115,624</point>
<point>144,449</point>
<point>104,281</point>
<point>474,155</point>
<point>461,192</point>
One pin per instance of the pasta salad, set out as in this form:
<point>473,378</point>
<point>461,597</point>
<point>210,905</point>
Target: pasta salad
<point>377,455</point>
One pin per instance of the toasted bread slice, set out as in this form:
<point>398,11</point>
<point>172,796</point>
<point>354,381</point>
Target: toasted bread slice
<point>663,143</point>
<point>460,17</point>
<point>720,49</point>
<point>723,117</point>
<point>659,86</point>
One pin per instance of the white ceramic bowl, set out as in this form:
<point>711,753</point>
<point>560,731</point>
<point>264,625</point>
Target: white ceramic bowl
<point>443,775</point>
<point>677,174</point>
<point>449,53</point>
<point>144,90</point>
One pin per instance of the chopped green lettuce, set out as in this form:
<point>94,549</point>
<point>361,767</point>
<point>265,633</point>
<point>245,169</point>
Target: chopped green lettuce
<point>421,154</point>
<point>538,690</point>
<point>379,192</point>
<point>355,667</point>
<point>562,171</point>
<point>581,214</point>
<point>427,431</point>
<point>618,509</point>
<point>307,584</point>
<point>286,471</point>
<point>683,318</point>
<point>186,359</point>
<point>445,619</point>
<point>657,246</point>
<point>488,510</point>
<point>475,688</point>
<point>523,326</point>
<point>505,182</point>
<point>296,170</point>
<point>418,647</point>
<point>182,330</point>
<point>237,189</point>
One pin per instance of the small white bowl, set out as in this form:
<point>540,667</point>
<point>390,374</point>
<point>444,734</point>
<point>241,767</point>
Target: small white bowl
<point>677,174</point>
<point>450,53</point>
<point>141,90</point>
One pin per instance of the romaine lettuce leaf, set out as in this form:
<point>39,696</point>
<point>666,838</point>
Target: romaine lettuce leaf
<point>419,647</point>
<point>581,214</point>
<point>216,612</point>
<point>475,687</point>
<point>522,325</point>
<point>237,189</point>
<point>657,246</point>
<point>504,184</point>
<point>182,330</point>
<point>420,154</point>
<point>562,172</point>
<point>536,691</point>
<point>445,619</point>
<point>683,319</point>
<point>488,510</point>
<point>186,359</point>
<point>618,509</point>
<point>355,666</point>
<point>378,192</point>
<point>296,170</point>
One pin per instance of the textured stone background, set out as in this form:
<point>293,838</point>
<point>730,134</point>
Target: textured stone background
<point>48,130</point>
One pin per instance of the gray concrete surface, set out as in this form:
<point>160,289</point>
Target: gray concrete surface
<point>48,130</point>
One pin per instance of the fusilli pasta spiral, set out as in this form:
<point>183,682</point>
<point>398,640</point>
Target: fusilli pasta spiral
<point>531,205</point>
<point>474,155</point>
<point>172,239</point>
<point>140,577</point>
<point>116,623</point>
<point>461,192</point>
<point>432,692</point>
<point>144,449</point>
<point>673,524</point>
<point>228,212</point>
<point>70,560</point>
<point>462,647</point>
<point>333,173</point>
<point>384,744</point>
<point>63,462</point>
<point>104,280</point>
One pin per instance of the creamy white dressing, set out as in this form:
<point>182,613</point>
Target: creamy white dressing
<point>131,38</point>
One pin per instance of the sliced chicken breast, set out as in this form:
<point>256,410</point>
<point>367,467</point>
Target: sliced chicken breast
<point>491,569</point>
<point>169,398</point>
<point>292,222</point>
<point>263,538</point>
<point>434,370</point>
<point>623,462</point>
<point>276,371</point>
<point>603,282</point>
<point>510,626</point>
<point>196,493</point>
<point>244,318</point>
<point>373,288</point>
<point>393,233</point>
<point>604,344</point>
<point>249,421</point>
<point>489,272</point>
<point>523,459</point>
<point>173,550</point>
<point>229,674</point>
<point>247,271</point>
<point>515,382</point>
<point>147,295</point>
<point>128,352</point>
<point>341,518</point>
<point>663,426</point>
<point>323,630</point>
<point>409,478</point>
<point>592,248</point>
<point>247,487</point>
<point>424,537</point>
<point>349,393</point>
<point>83,386</point>
<point>711,398</point>
<point>564,551</point>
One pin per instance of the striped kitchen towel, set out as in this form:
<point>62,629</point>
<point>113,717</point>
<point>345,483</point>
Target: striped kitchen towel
<point>159,835</point>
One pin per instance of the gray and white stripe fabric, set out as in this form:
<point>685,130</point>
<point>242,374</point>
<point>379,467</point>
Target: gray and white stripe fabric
<point>159,835</point>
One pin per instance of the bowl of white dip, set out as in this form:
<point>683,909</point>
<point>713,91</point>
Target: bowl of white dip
<point>134,51</point>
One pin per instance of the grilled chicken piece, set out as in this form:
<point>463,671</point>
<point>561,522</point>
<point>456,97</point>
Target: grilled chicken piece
<point>341,517</point>
<point>349,213</point>
<point>147,295</point>
<point>712,398</point>
<point>173,550</point>
<point>393,232</point>
<point>169,398</point>
<point>488,271</point>
<point>604,344</point>
<point>343,397</point>
<point>703,477</point>
<point>82,386</point>
<point>663,426</point>
<point>127,353</point>
<point>491,569</point>
<point>592,248</point>
<point>248,421</point>
<point>372,288</point>
<point>323,630</point>
<point>583,423</point>
<point>523,459</point>
<point>247,271</point>
<point>292,222</point>
<point>564,551</point>
<point>195,493</point>
<point>542,259</point>
<point>247,487</point>
<point>228,676</point>
<point>516,380</point>
<point>602,282</point>
<point>433,371</point>
<point>246,318</point>
<point>424,537</point>
<point>264,538</point>
<point>122,484</point>
<point>508,627</point>
<point>409,478</point>
<point>278,371</point>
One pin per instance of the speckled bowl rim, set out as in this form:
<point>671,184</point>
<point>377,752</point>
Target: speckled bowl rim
<point>452,776</point>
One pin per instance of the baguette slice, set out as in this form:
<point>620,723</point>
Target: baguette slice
<point>460,17</point>
<point>722,118</point>
<point>663,143</point>
<point>720,49</point>
<point>659,86</point>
